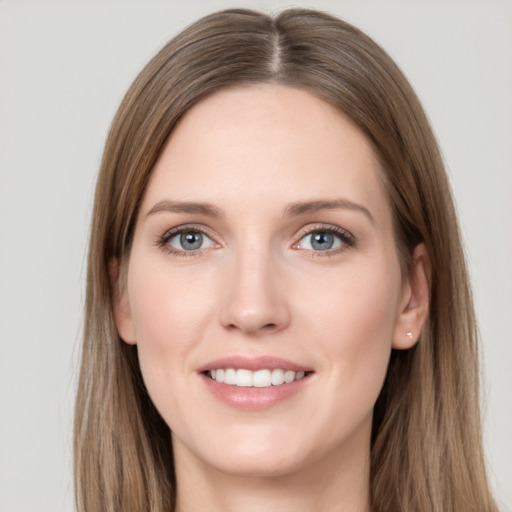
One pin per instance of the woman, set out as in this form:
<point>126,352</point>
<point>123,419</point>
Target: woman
<point>278,313</point>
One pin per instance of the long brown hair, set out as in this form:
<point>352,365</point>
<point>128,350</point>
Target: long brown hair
<point>426,442</point>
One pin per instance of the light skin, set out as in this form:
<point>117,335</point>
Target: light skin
<point>296,260</point>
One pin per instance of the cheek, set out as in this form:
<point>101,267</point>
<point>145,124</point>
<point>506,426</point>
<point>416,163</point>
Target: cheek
<point>170,314</point>
<point>168,307</point>
<point>359,300</point>
<point>357,319</point>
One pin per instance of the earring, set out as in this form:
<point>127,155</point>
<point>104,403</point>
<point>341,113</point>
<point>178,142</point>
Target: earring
<point>409,335</point>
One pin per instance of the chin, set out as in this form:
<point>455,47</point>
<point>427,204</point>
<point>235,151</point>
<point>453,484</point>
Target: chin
<point>259,465</point>
<point>252,454</point>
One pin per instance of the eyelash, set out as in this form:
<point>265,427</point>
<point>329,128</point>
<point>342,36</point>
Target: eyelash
<point>164,240</point>
<point>347,239</point>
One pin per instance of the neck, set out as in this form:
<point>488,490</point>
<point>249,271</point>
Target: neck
<point>328,485</point>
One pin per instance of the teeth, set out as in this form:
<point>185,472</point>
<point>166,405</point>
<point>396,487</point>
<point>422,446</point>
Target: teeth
<point>257,379</point>
<point>262,379</point>
<point>230,376</point>
<point>243,378</point>
<point>277,377</point>
<point>289,376</point>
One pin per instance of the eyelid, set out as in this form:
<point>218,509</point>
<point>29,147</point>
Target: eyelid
<point>163,240</point>
<point>347,238</point>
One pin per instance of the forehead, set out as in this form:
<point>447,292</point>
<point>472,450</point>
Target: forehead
<point>264,144</point>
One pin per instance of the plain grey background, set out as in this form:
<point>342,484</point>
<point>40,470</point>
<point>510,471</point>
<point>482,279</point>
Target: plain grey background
<point>64,67</point>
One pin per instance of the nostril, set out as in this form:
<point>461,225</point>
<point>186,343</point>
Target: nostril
<point>266,327</point>
<point>253,316</point>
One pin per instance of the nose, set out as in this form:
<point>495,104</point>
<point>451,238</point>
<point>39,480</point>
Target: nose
<point>254,300</point>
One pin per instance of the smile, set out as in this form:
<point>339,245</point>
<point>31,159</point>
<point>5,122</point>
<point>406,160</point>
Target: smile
<point>258,379</point>
<point>255,383</point>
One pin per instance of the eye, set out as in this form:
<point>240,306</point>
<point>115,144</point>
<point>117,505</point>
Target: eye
<point>190,241</point>
<point>325,240</point>
<point>181,241</point>
<point>320,241</point>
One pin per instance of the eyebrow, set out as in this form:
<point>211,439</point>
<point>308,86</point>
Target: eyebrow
<point>185,207</point>
<point>302,208</point>
<point>295,209</point>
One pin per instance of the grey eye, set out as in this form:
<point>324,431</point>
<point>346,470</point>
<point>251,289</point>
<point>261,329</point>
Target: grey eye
<point>190,241</point>
<point>320,241</point>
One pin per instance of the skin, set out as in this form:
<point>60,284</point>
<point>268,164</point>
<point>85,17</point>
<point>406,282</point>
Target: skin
<point>256,287</point>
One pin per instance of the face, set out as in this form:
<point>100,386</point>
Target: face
<point>263,288</point>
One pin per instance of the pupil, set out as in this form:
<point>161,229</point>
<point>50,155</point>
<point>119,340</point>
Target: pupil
<point>322,241</point>
<point>191,241</point>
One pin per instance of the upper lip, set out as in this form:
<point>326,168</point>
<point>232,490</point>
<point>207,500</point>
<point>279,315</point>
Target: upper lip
<point>253,364</point>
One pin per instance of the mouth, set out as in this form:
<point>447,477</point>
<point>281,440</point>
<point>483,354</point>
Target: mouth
<point>255,384</point>
<point>264,378</point>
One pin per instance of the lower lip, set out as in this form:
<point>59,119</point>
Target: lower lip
<point>251,398</point>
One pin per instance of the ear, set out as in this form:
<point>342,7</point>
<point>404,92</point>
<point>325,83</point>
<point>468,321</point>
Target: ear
<point>414,304</point>
<point>121,305</point>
